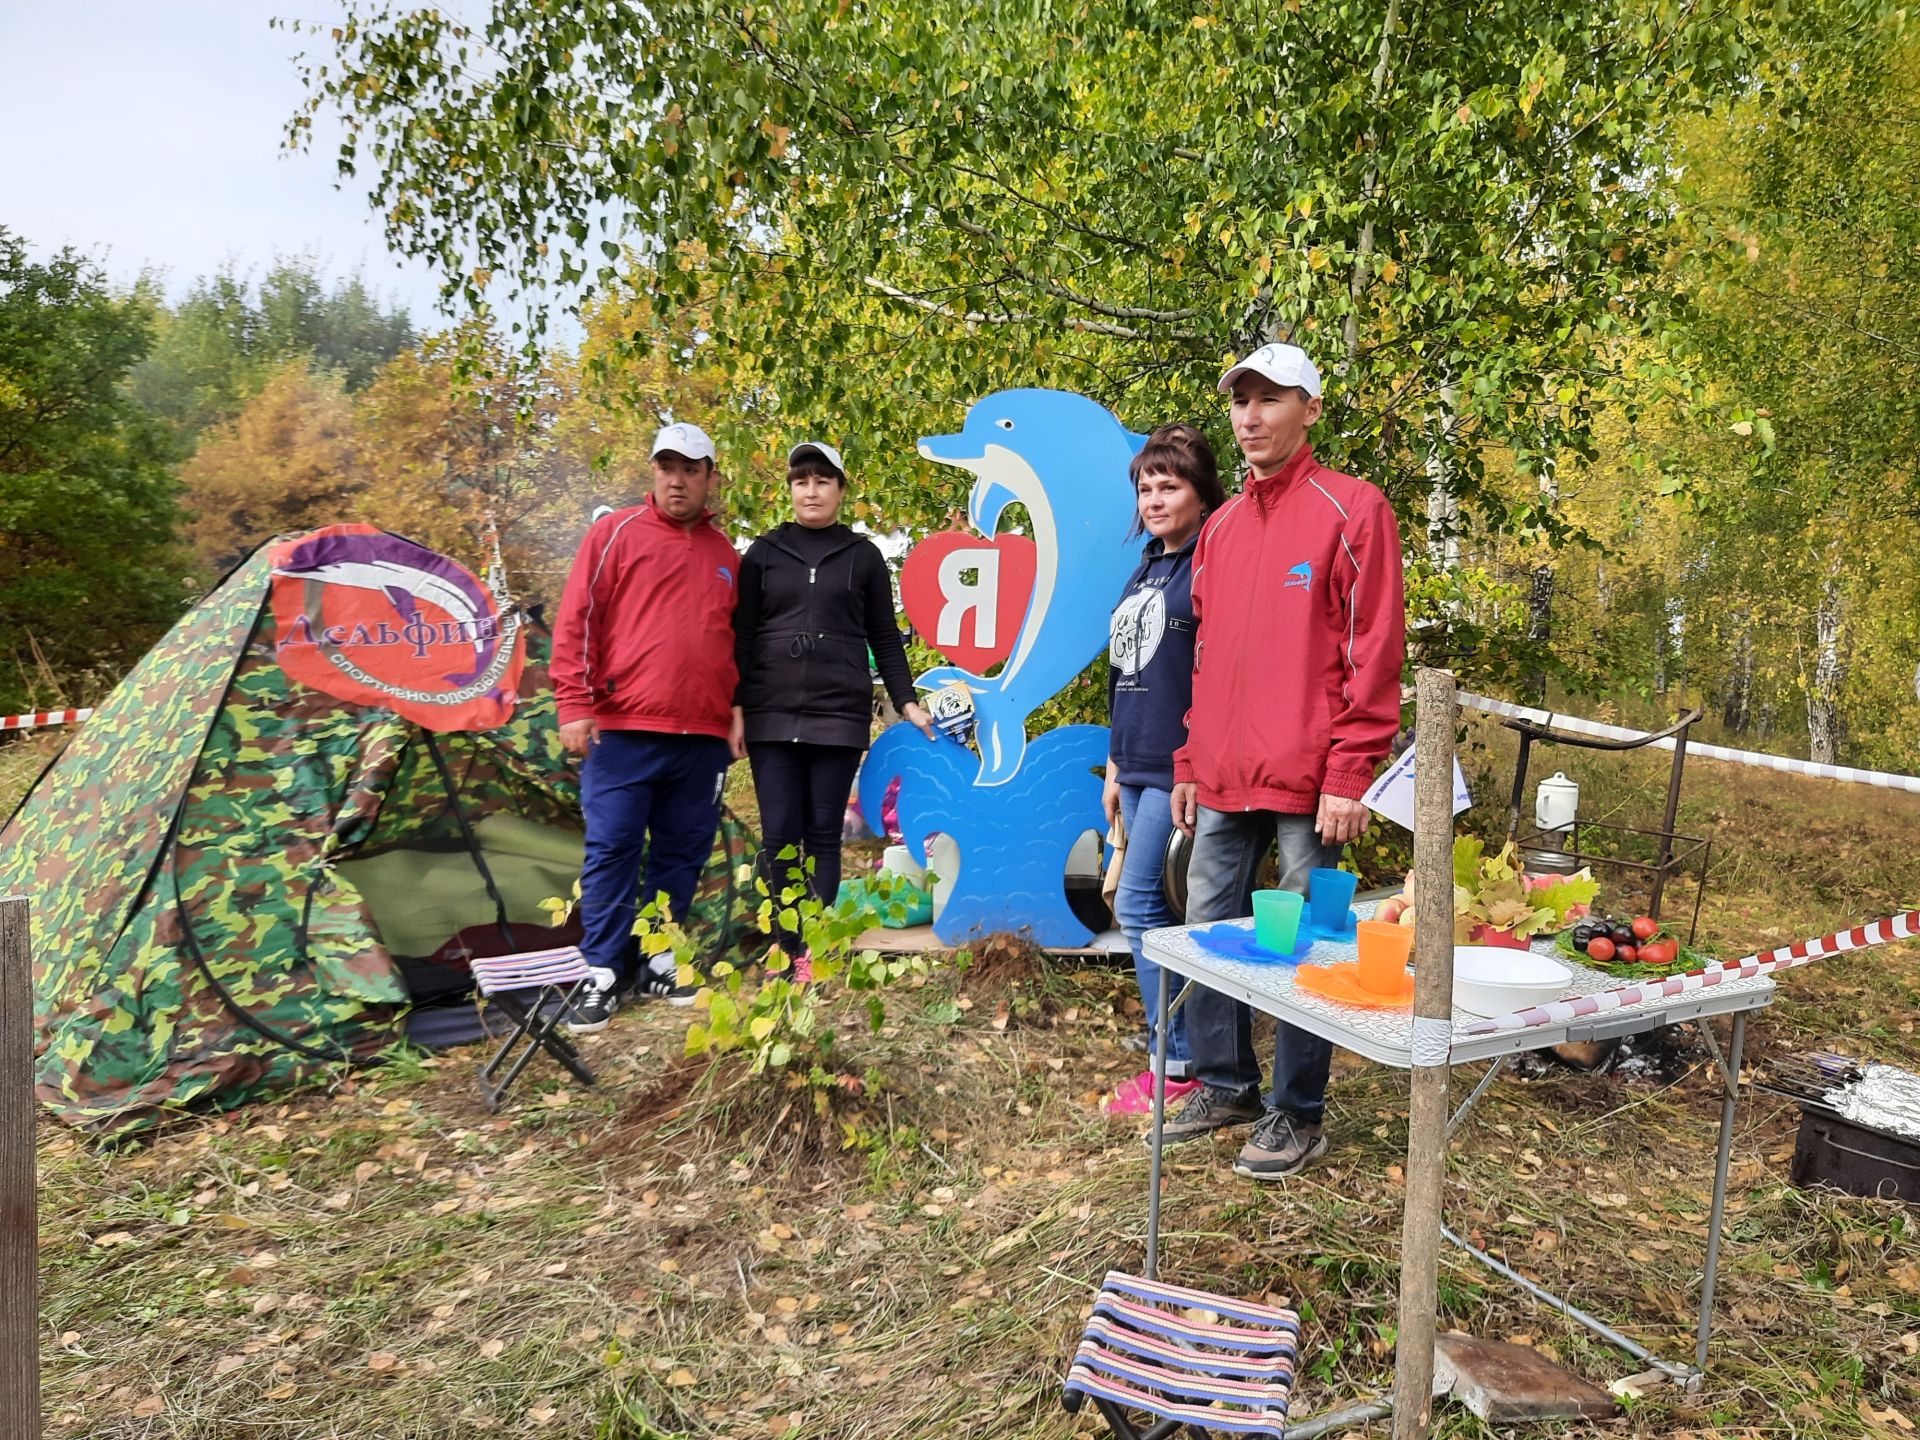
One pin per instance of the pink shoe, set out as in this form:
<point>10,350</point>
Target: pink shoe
<point>802,973</point>
<point>1136,1096</point>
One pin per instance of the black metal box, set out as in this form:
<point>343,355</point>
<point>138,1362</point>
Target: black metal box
<point>1853,1158</point>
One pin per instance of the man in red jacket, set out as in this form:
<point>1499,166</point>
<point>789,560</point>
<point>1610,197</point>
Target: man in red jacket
<point>1300,633</point>
<point>643,673</point>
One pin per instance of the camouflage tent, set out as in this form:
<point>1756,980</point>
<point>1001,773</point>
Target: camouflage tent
<point>219,859</point>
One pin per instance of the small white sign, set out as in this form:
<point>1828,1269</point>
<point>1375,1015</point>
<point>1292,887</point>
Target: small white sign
<point>1391,796</point>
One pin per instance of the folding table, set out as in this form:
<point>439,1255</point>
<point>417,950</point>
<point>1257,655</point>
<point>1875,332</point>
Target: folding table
<point>1386,1036</point>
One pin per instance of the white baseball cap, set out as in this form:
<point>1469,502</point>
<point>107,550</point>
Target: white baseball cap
<point>1282,364</point>
<point>822,449</point>
<point>683,439</point>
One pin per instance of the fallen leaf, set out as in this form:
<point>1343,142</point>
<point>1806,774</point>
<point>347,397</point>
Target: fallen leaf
<point>381,1361</point>
<point>227,1364</point>
<point>283,1392</point>
<point>155,1405</point>
<point>493,1349</point>
<point>681,1377</point>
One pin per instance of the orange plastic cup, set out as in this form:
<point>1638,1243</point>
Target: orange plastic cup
<point>1384,952</point>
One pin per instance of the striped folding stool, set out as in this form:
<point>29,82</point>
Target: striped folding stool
<point>535,990</point>
<point>1144,1353</point>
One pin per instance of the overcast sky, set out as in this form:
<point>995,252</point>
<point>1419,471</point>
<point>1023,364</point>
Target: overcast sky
<point>147,133</point>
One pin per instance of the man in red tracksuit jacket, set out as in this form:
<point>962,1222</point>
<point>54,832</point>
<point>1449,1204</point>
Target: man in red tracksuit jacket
<point>643,674</point>
<point>1300,622</point>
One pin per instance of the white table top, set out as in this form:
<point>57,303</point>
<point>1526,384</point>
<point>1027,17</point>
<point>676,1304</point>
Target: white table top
<point>1386,1035</point>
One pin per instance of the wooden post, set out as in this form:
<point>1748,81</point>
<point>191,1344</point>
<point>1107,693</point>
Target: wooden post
<point>19,1213</point>
<point>1432,1030</point>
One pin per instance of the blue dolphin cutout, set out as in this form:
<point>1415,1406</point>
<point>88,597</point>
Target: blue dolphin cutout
<point>1014,842</point>
<point>1065,458</point>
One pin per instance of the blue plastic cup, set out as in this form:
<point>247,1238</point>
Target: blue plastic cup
<point>1330,898</point>
<point>1276,920</point>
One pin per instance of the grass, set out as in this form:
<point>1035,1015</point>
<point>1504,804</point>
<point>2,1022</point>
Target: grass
<point>684,1252</point>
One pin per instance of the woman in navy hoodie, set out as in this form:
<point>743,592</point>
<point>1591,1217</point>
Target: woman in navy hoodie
<point>1176,486</point>
<point>814,599</point>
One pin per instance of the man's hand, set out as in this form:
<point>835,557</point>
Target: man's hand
<point>915,714</point>
<point>579,735</point>
<point>1110,796</point>
<point>737,734</point>
<point>1340,819</point>
<point>1186,807</point>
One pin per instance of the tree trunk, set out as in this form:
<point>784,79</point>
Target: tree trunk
<point>1540,624</point>
<point>1825,724</point>
<point>1660,653</point>
<point>1443,506</point>
<point>1736,707</point>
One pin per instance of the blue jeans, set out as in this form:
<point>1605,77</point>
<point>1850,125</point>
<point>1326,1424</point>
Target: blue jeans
<point>1140,905</point>
<point>649,800</point>
<point>1227,848</point>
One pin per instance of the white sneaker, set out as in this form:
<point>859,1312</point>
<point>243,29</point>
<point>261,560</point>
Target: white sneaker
<point>660,980</point>
<point>595,1002</point>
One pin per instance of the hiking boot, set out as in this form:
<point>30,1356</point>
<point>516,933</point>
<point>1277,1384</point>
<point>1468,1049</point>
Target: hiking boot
<point>594,1002</point>
<point>660,981</point>
<point>1282,1145</point>
<point>1206,1111</point>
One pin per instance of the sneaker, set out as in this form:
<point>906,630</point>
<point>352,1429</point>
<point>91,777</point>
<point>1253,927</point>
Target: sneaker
<point>660,980</point>
<point>1136,1096</point>
<point>594,1002</point>
<point>1282,1145</point>
<point>802,972</point>
<point>1206,1111</point>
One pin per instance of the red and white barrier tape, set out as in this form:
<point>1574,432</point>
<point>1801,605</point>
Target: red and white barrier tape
<point>1787,957</point>
<point>1574,723</point>
<point>40,718</point>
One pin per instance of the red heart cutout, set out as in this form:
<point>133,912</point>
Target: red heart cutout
<point>966,596</point>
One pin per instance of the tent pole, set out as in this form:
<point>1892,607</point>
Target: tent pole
<point>473,841</point>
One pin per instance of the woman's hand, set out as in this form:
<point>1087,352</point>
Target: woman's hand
<point>1110,796</point>
<point>737,734</point>
<point>916,715</point>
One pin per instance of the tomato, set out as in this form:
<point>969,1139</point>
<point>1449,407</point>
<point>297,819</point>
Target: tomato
<point>1600,948</point>
<point>1626,954</point>
<point>1645,928</point>
<point>1660,952</point>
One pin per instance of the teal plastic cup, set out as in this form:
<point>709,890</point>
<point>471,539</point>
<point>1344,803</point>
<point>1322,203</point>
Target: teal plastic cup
<point>1276,919</point>
<point>1329,899</point>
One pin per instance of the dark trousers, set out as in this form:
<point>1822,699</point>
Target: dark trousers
<point>651,802</point>
<point>803,791</point>
<point>1227,849</point>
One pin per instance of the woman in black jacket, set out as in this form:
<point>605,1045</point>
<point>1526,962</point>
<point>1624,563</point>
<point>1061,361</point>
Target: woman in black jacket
<point>814,597</point>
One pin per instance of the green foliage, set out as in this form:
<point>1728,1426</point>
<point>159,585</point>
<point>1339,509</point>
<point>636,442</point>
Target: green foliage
<point>889,210</point>
<point>223,341</point>
<point>89,571</point>
<point>778,1024</point>
<point>1495,891</point>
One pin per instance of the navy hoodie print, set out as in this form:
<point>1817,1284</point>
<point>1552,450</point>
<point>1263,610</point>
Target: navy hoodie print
<point>1150,666</point>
